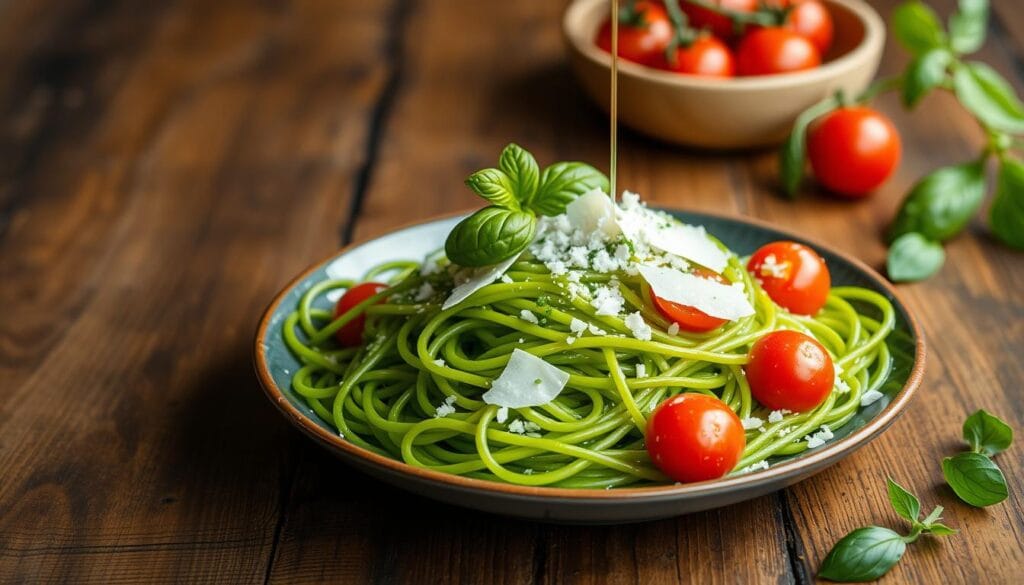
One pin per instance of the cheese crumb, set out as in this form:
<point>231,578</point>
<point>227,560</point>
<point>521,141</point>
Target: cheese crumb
<point>776,415</point>
<point>439,362</point>
<point>871,397</point>
<point>424,292</point>
<point>673,329</point>
<point>752,423</point>
<point>448,407</point>
<point>529,317</point>
<point>818,439</point>
<point>577,326</point>
<point>755,467</point>
<point>502,415</point>
<point>641,371</point>
<point>638,327</point>
<point>506,279</point>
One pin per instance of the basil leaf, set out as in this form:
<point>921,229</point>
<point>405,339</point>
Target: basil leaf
<point>793,155</point>
<point>905,503</point>
<point>916,27</point>
<point>975,479</point>
<point>987,434</point>
<point>913,257</point>
<point>924,74</point>
<point>521,169</point>
<point>939,529</point>
<point>563,182</point>
<point>489,236</point>
<point>939,206</point>
<point>967,26</point>
<point>1007,214</point>
<point>863,555</point>
<point>933,516</point>
<point>494,186</point>
<point>989,97</point>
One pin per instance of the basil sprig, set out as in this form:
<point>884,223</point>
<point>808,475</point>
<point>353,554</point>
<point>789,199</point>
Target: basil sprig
<point>518,191</point>
<point>868,553</point>
<point>974,477</point>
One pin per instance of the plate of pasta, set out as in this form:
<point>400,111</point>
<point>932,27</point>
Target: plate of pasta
<point>562,355</point>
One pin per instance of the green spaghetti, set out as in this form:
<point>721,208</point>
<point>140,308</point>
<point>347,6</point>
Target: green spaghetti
<point>413,388</point>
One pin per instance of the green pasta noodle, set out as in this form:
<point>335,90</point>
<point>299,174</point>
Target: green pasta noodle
<point>413,390</point>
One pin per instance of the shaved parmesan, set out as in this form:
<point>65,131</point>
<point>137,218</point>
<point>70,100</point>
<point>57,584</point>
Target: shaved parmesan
<point>527,380</point>
<point>593,211</point>
<point>713,298</point>
<point>478,279</point>
<point>690,242</point>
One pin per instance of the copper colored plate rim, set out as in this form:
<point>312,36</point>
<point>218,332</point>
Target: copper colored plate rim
<point>780,472</point>
<point>874,39</point>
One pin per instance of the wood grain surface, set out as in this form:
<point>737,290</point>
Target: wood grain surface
<point>165,167</point>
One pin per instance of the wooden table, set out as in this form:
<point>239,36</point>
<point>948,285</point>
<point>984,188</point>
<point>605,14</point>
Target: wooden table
<point>167,166</point>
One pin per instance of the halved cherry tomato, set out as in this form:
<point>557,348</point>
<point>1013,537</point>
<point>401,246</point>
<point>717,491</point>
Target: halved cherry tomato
<point>789,370</point>
<point>351,334</point>
<point>644,41</point>
<point>811,20</point>
<point>719,24</point>
<point>853,150</point>
<point>768,51</point>
<point>793,275</point>
<point>695,437</point>
<point>707,57</point>
<point>690,318</point>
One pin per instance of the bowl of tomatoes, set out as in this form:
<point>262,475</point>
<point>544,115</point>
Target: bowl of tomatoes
<point>723,74</point>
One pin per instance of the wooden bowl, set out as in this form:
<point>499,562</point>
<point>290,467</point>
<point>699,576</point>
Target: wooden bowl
<point>741,112</point>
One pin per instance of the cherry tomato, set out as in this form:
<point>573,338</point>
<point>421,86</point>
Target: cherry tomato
<point>811,20</point>
<point>689,318</point>
<point>789,370</point>
<point>695,437</point>
<point>793,275</point>
<point>853,150</point>
<point>351,334</point>
<point>768,51</point>
<point>707,57</point>
<point>719,24</point>
<point>640,43</point>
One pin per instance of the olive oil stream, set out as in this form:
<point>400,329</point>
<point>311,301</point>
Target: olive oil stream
<point>614,109</point>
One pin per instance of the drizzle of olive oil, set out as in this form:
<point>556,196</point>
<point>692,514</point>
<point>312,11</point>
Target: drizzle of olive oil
<point>614,141</point>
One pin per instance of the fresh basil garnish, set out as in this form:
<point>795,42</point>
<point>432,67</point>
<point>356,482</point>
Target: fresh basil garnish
<point>917,27</point>
<point>792,157</point>
<point>494,186</point>
<point>925,73</point>
<point>1007,214</point>
<point>914,257</point>
<point>905,503</point>
<point>967,26</point>
<point>868,553</point>
<point>521,169</point>
<point>989,97</point>
<point>975,479</point>
<point>489,236</point>
<point>940,205</point>
<point>518,192</point>
<point>561,183</point>
<point>863,555</point>
<point>987,434</point>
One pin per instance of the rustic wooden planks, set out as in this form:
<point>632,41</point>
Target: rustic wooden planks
<point>167,166</point>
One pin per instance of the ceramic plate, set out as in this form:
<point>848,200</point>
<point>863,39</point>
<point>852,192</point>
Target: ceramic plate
<point>274,363</point>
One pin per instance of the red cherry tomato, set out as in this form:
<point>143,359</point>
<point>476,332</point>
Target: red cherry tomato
<point>853,150</point>
<point>695,437</point>
<point>811,20</point>
<point>689,318</point>
<point>719,24</point>
<point>706,57</point>
<point>351,334</point>
<point>640,43</point>
<point>768,51</point>
<point>789,370</point>
<point>793,275</point>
